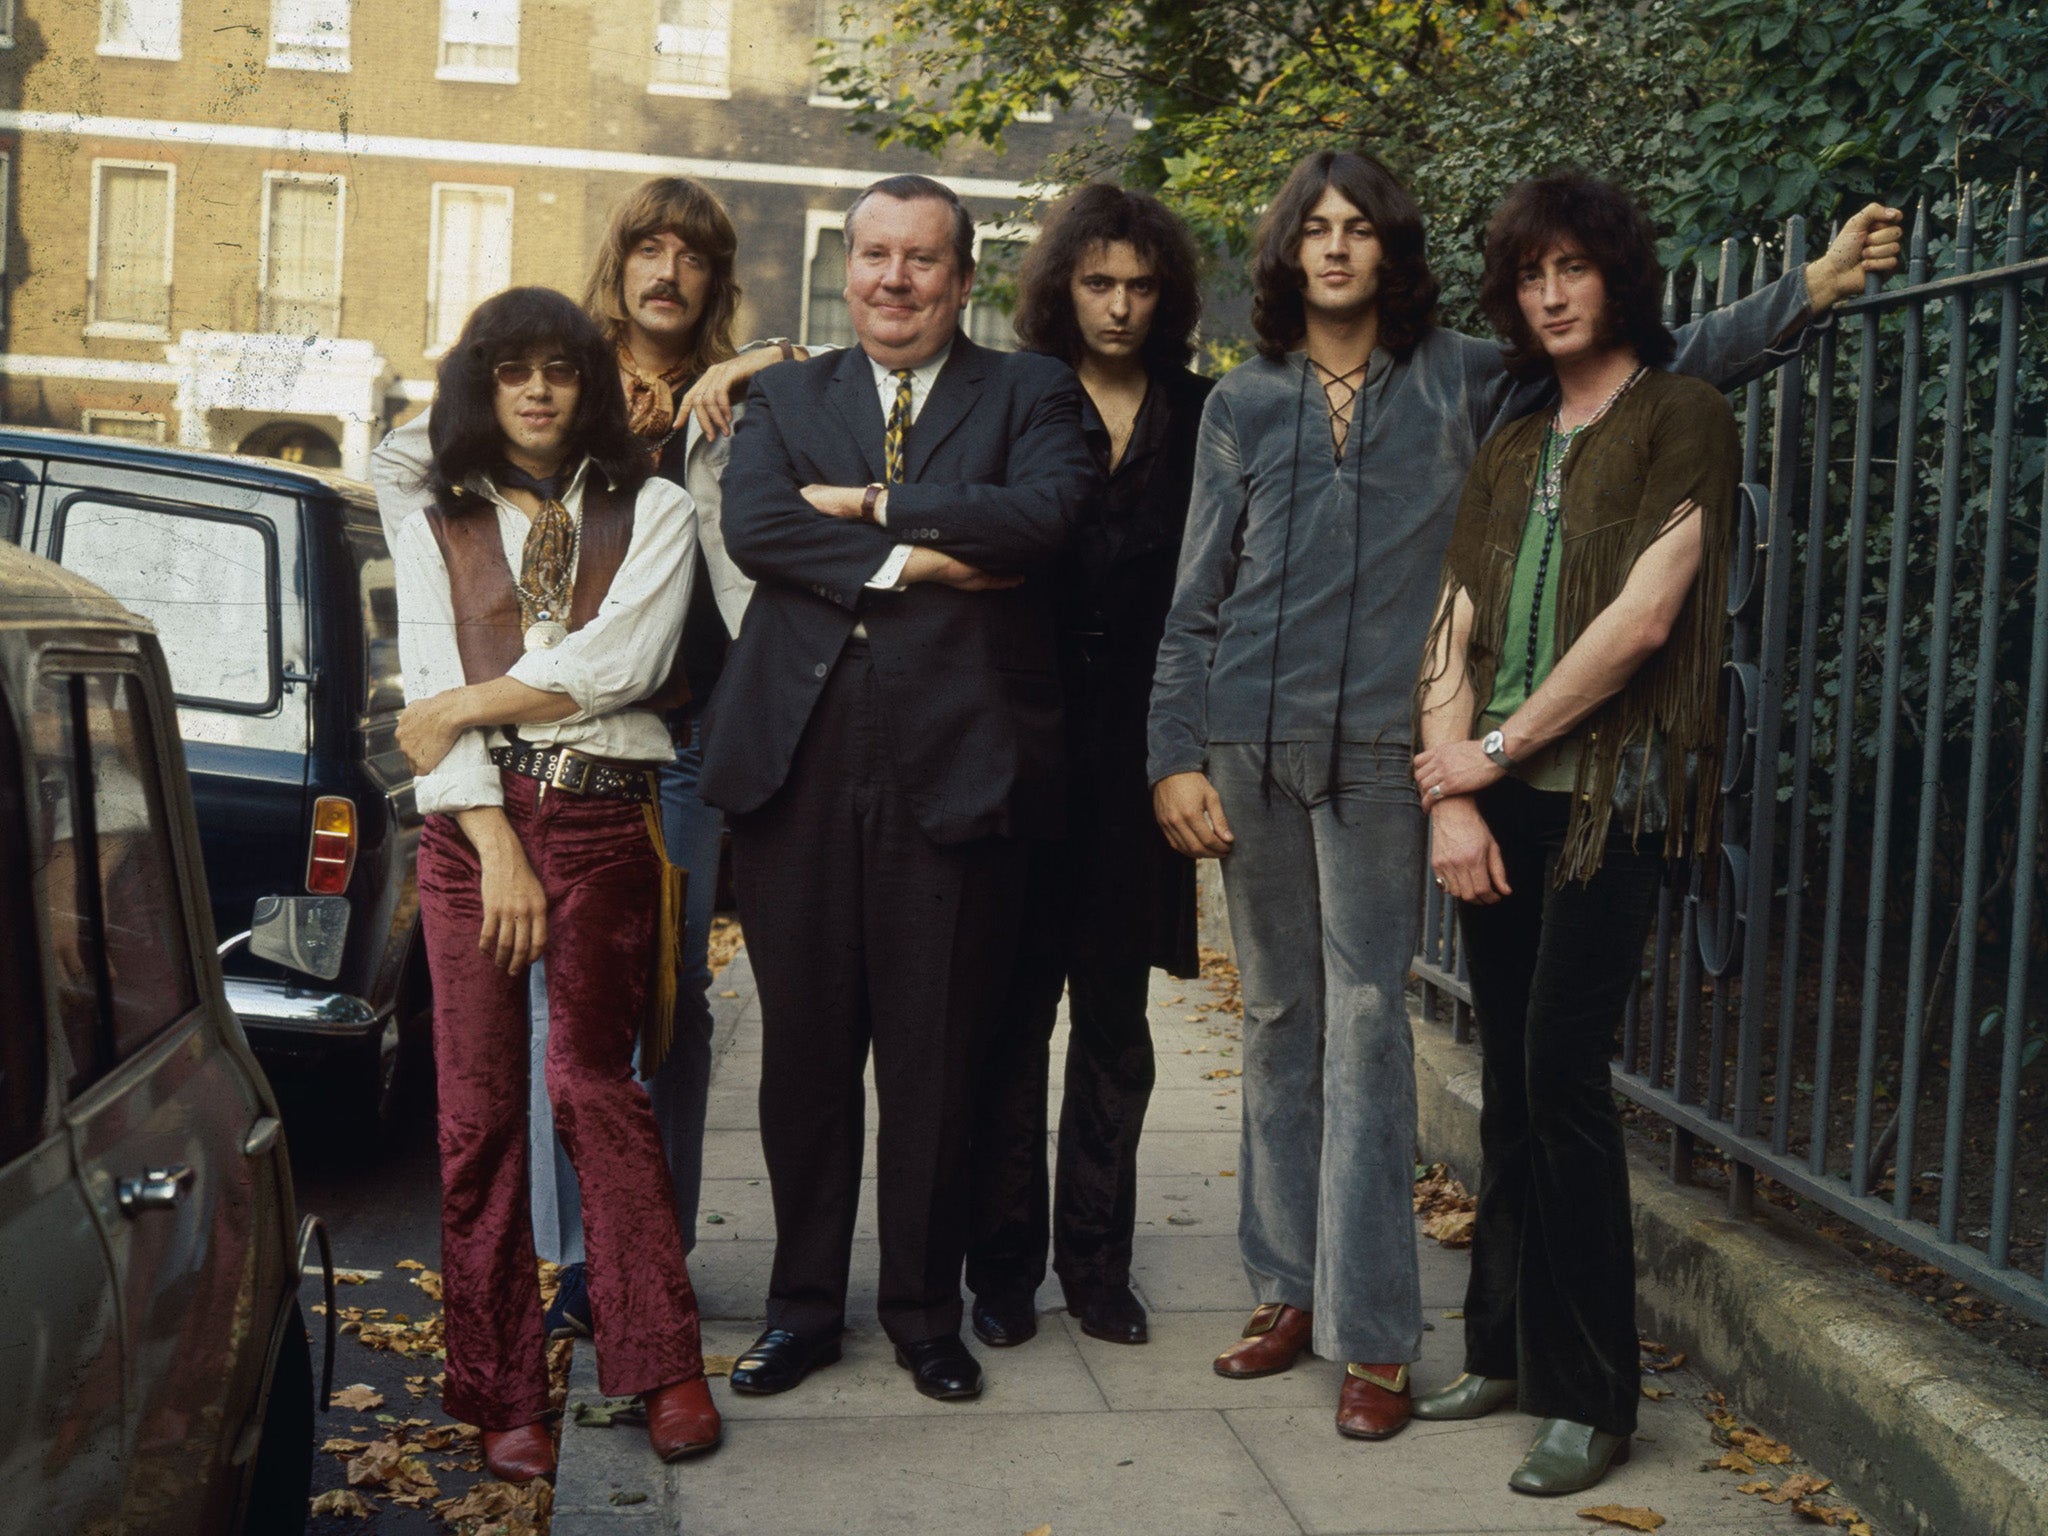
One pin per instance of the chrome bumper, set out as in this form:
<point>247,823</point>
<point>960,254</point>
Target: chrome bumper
<point>277,1008</point>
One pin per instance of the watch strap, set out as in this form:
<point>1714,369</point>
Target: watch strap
<point>868,498</point>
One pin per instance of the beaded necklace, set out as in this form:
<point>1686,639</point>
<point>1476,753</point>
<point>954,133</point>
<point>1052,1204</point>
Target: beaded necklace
<point>1547,501</point>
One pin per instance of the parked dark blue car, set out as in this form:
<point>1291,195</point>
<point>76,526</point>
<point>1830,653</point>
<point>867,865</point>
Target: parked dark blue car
<point>272,592</point>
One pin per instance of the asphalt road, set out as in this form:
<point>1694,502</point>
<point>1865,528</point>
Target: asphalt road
<point>380,1194</point>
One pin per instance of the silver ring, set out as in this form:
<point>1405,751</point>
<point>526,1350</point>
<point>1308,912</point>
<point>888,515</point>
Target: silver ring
<point>1439,882</point>
<point>1436,791</point>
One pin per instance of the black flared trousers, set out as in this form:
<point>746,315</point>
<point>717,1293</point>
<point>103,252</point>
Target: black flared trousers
<point>1552,1296</point>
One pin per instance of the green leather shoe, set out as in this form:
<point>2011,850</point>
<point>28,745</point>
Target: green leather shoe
<point>1567,1458</point>
<point>1469,1397</point>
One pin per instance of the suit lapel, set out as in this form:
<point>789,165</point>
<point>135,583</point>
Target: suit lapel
<point>953,395</point>
<point>853,396</point>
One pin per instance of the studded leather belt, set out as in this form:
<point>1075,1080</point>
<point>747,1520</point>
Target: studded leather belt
<point>578,773</point>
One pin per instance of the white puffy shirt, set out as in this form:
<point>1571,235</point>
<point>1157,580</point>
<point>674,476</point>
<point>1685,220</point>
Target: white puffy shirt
<point>622,655</point>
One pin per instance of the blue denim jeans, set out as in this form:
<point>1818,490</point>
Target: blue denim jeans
<point>1323,886</point>
<point>679,1090</point>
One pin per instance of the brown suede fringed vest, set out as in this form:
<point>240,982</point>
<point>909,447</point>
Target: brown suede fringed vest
<point>487,632</point>
<point>1668,441</point>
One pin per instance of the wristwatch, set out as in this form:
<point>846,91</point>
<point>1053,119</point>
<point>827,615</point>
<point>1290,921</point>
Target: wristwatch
<point>1495,746</point>
<point>868,498</point>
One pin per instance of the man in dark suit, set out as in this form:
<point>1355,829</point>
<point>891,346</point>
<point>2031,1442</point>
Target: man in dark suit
<point>886,731</point>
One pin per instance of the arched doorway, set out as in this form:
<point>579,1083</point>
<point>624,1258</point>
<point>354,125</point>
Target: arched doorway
<point>295,442</point>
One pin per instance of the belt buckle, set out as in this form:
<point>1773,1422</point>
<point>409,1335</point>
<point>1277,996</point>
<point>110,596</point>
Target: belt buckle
<point>572,772</point>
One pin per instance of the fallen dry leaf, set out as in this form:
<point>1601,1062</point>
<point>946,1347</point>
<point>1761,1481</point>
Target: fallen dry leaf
<point>1453,1229</point>
<point>1801,1485</point>
<point>341,1447</point>
<point>1761,1485</point>
<point>1675,1360</point>
<point>1760,1447</point>
<point>408,1264</point>
<point>1735,1461</point>
<point>1039,1530</point>
<point>343,1501</point>
<point>429,1280</point>
<point>1831,1515</point>
<point>1627,1519</point>
<point>719,1365</point>
<point>351,1277</point>
<point>1655,1394</point>
<point>359,1398</point>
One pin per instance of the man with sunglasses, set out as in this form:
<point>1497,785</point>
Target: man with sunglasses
<point>663,291</point>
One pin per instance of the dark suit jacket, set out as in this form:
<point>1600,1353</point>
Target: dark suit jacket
<point>997,474</point>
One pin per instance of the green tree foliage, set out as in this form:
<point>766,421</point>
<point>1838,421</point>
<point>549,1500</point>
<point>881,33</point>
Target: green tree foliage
<point>1723,115</point>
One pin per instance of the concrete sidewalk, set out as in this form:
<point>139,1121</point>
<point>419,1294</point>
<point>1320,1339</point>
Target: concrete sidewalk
<point>1088,1438</point>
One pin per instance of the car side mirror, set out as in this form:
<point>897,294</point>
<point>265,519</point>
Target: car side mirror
<point>304,932</point>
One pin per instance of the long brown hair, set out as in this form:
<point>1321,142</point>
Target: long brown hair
<point>1101,214</point>
<point>1407,288</point>
<point>1607,227</point>
<point>696,217</point>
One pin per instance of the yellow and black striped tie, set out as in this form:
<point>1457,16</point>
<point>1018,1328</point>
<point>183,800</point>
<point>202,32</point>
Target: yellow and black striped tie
<point>898,428</point>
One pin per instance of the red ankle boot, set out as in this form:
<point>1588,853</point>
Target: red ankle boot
<point>682,1420</point>
<point>519,1455</point>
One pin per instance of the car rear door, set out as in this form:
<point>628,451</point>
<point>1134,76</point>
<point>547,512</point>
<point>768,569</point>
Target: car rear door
<point>219,569</point>
<point>61,1427</point>
<point>168,1131</point>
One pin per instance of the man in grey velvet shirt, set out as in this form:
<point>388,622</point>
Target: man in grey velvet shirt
<point>1326,481</point>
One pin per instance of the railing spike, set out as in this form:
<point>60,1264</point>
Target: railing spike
<point>1916,271</point>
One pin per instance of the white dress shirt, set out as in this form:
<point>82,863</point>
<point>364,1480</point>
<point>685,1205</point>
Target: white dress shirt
<point>618,658</point>
<point>890,577</point>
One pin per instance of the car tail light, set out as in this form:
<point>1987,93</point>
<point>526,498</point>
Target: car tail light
<point>332,857</point>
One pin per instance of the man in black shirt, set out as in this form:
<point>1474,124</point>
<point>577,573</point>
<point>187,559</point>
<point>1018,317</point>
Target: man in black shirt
<point>1110,286</point>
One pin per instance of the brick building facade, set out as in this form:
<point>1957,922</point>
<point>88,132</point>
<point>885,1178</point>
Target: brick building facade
<point>255,224</point>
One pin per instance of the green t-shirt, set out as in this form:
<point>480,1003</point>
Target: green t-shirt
<point>1529,639</point>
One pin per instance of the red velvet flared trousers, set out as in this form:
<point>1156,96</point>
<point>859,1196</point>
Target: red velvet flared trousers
<point>597,864</point>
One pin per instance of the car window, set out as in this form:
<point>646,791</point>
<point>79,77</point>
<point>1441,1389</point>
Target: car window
<point>207,581</point>
<point>22,1048</point>
<point>10,513</point>
<point>383,688</point>
<point>124,970</point>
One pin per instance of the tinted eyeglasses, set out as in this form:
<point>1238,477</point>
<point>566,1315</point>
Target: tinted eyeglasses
<point>558,372</point>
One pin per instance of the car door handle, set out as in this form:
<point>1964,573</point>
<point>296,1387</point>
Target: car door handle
<point>262,1136</point>
<point>158,1189</point>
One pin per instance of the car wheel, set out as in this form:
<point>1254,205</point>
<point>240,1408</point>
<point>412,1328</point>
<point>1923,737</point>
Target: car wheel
<point>282,1484</point>
<point>381,1072</point>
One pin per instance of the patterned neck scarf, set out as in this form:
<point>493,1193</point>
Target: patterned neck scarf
<point>547,561</point>
<point>651,397</point>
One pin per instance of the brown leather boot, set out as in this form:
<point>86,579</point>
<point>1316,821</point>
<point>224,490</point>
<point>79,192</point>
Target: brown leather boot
<point>1273,1340</point>
<point>519,1455</point>
<point>682,1420</point>
<point>1374,1404</point>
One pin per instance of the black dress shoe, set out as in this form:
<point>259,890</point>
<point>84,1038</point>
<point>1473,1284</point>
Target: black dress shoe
<point>779,1360</point>
<point>1109,1312</point>
<point>941,1367</point>
<point>1004,1321</point>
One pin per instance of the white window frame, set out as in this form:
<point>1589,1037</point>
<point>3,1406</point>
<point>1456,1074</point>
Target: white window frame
<point>130,330</point>
<point>112,50</point>
<point>6,23</point>
<point>433,348</point>
<point>657,87</point>
<point>305,53</point>
<point>1022,234</point>
<point>479,74</point>
<point>88,419</point>
<point>817,96</point>
<point>6,204</point>
<point>271,181</point>
<point>815,220</point>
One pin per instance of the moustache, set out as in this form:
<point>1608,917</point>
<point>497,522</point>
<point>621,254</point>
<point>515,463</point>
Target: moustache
<point>664,291</point>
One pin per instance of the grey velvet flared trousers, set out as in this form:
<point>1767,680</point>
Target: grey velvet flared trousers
<point>1323,890</point>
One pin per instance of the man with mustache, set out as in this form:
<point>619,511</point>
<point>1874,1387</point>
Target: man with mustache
<point>1326,484</point>
<point>663,291</point>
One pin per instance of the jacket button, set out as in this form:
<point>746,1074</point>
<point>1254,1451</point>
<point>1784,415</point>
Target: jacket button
<point>820,670</point>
